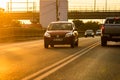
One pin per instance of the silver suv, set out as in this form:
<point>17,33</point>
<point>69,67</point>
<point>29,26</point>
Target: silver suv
<point>89,32</point>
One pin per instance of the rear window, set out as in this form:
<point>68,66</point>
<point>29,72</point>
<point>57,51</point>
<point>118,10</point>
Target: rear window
<point>60,26</point>
<point>112,21</point>
<point>89,30</point>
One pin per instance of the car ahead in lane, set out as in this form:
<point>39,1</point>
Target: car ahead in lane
<point>61,32</point>
<point>89,33</point>
<point>110,30</point>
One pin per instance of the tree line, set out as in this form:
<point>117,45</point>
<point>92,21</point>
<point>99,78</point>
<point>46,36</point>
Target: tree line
<point>81,26</point>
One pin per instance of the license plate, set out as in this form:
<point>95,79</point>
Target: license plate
<point>58,39</point>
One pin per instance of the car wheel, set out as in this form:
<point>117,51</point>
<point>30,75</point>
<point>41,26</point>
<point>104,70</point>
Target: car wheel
<point>76,43</point>
<point>46,45</point>
<point>52,45</point>
<point>72,45</point>
<point>103,41</point>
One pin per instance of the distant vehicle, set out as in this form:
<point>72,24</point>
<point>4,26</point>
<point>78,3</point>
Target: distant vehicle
<point>61,32</point>
<point>98,32</point>
<point>89,33</point>
<point>110,30</point>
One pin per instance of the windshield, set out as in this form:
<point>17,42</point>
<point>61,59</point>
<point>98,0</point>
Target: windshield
<point>98,31</point>
<point>60,26</point>
<point>89,31</point>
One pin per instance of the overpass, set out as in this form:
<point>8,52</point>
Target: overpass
<point>71,15</point>
<point>92,15</point>
<point>96,11</point>
<point>23,15</point>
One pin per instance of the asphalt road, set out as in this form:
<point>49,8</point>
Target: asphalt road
<point>101,63</point>
<point>21,60</point>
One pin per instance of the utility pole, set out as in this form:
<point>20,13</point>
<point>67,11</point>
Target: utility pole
<point>10,5</point>
<point>105,5</point>
<point>57,15</point>
<point>27,5</point>
<point>94,5</point>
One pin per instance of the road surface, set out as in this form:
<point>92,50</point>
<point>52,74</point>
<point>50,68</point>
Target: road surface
<point>89,61</point>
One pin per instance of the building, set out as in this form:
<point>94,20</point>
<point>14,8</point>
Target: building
<point>49,9</point>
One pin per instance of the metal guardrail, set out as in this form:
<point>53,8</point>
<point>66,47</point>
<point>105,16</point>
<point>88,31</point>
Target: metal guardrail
<point>20,34</point>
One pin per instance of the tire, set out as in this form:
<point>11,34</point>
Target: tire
<point>46,45</point>
<point>76,43</point>
<point>52,45</point>
<point>72,45</point>
<point>103,41</point>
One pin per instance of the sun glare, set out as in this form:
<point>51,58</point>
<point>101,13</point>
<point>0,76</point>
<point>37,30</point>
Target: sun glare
<point>3,4</point>
<point>18,5</point>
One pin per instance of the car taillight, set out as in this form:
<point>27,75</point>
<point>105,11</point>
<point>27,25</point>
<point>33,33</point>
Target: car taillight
<point>102,28</point>
<point>116,18</point>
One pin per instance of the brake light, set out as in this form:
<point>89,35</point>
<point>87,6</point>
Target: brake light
<point>102,28</point>
<point>116,18</point>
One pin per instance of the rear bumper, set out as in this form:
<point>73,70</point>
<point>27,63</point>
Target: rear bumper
<point>111,37</point>
<point>89,35</point>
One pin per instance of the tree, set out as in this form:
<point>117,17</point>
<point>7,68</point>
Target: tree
<point>34,20</point>
<point>16,23</point>
<point>78,23</point>
<point>91,25</point>
<point>6,20</point>
<point>88,25</point>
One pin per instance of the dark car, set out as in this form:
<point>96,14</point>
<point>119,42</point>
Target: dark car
<point>61,32</point>
<point>89,33</point>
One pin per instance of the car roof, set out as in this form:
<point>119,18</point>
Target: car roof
<point>112,17</point>
<point>89,30</point>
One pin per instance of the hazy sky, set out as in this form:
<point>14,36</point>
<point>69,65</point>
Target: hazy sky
<point>100,4</point>
<point>78,4</point>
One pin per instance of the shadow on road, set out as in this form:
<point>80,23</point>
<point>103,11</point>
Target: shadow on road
<point>113,46</point>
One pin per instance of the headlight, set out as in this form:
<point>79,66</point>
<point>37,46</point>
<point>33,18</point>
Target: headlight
<point>92,33</point>
<point>68,34</point>
<point>47,35</point>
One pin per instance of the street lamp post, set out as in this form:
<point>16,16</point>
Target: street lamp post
<point>57,16</point>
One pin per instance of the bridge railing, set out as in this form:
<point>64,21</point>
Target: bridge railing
<point>94,11</point>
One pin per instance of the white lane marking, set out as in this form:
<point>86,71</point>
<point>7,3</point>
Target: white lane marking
<point>60,64</point>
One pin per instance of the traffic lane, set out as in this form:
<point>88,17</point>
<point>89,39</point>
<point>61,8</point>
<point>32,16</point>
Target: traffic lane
<point>101,63</point>
<point>86,41</point>
<point>21,59</point>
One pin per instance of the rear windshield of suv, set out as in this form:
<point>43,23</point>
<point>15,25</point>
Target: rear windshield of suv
<point>112,21</point>
<point>89,31</point>
<point>60,26</point>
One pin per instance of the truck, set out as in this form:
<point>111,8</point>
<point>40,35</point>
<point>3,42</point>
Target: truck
<point>110,30</point>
